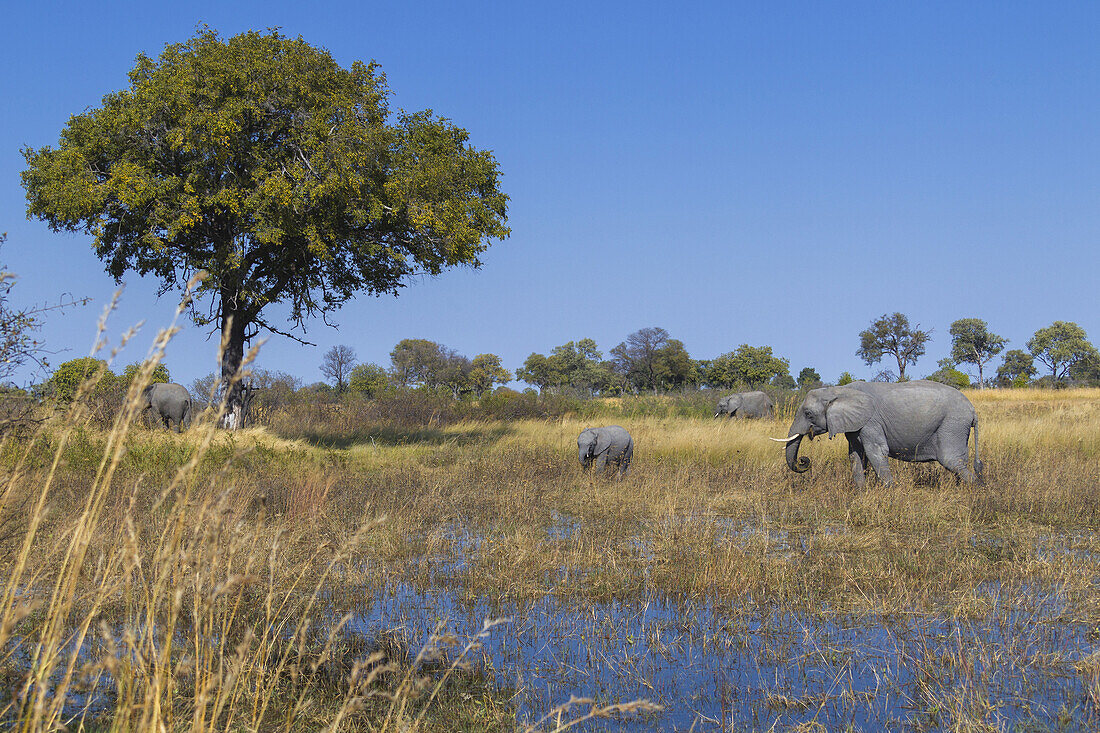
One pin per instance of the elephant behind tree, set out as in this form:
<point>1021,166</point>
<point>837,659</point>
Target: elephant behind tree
<point>746,404</point>
<point>611,444</point>
<point>171,403</point>
<point>915,421</point>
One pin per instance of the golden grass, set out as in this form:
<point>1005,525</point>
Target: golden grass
<point>204,575</point>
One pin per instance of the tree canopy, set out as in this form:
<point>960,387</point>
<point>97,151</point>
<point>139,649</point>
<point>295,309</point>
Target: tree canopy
<point>579,365</point>
<point>809,378</point>
<point>1060,346</point>
<point>894,336</point>
<point>973,343</point>
<point>369,380</point>
<point>285,177</point>
<point>638,357</point>
<point>1018,367</point>
<point>748,366</point>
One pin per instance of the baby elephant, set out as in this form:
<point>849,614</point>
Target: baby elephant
<point>602,445</point>
<point>170,403</point>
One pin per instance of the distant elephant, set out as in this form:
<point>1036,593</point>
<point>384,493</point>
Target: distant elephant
<point>912,421</point>
<point>746,404</point>
<point>170,403</point>
<point>602,445</point>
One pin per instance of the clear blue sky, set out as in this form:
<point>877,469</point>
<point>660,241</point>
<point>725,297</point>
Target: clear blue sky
<point>762,173</point>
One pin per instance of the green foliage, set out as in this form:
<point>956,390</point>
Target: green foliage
<point>160,374</point>
<point>809,378</point>
<point>1060,346</point>
<point>638,358</point>
<point>577,365</point>
<point>416,362</point>
<point>67,378</point>
<point>948,374</point>
<point>423,363</point>
<point>674,368</point>
<point>973,343</point>
<point>1017,369</point>
<point>538,370</point>
<point>845,378</point>
<point>486,371</point>
<point>748,366</point>
<point>369,380</point>
<point>283,176</point>
<point>893,335</point>
<point>1087,370</point>
<point>783,381</point>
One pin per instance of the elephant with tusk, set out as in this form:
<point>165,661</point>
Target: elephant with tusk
<point>915,421</point>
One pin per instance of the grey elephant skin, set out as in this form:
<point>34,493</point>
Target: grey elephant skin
<point>746,404</point>
<point>611,444</point>
<point>916,421</point>
<point>169,402</point>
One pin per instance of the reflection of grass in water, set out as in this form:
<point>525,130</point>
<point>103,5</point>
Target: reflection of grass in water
<point>707,663</point>
<point>225,557</point>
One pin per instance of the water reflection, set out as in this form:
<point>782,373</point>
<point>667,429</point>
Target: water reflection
<point>718,667</point>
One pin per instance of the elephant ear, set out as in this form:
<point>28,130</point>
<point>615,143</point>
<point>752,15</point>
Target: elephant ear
<point>849,411</point>
<point>733,402</point>
<point>603,442</point>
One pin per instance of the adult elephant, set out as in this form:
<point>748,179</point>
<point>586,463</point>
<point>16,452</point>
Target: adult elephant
<point>746,404</point>
<point>911,421</point>
<point>611,444</point>
<point>169,402</point>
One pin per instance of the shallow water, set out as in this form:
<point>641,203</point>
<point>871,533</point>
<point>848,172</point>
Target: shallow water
<point>750,668</point>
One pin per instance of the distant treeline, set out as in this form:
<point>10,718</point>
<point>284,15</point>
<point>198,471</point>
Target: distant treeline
<point>648,362</point>
<point>651,361</point>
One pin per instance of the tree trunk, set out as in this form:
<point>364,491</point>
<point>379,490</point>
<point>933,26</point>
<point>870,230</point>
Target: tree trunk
<point>234,326</point>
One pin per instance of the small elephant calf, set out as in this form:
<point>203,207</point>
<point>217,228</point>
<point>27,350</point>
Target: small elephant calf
<point>603,445</point>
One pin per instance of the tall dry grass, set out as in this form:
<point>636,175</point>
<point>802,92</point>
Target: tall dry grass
<point>139,590</point>
<point>203,581</point>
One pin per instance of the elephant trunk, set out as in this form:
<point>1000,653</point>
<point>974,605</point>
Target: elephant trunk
<point>798,464</point>
<point>582,455</point>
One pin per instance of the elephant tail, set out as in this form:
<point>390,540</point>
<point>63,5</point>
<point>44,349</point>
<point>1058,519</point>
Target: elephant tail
<point>977,461</point>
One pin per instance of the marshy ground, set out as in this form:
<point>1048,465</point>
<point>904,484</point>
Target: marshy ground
<point>287,577</point>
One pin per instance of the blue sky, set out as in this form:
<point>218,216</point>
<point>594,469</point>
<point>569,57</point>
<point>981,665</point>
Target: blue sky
<point>762,173</point>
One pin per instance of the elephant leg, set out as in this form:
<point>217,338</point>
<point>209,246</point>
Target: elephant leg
<point>875,449</point>
<point>953,454</point>
<point>859,461</point>
<point>601,463</point>
<point>179,426</point>
<point>876,456</point>
<point>624,465</point>
<point>957,465</point>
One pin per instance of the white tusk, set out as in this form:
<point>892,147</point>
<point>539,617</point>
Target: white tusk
<point>787,439</point>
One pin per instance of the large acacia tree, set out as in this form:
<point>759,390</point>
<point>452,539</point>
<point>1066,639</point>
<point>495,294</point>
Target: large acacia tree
<point>284,176</point>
